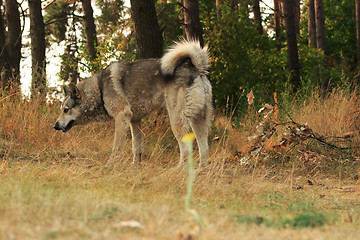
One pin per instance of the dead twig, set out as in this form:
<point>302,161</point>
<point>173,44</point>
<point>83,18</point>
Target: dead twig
<point>294,135</point>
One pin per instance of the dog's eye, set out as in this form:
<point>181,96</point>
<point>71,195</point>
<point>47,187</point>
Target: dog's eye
<point>66,110</point>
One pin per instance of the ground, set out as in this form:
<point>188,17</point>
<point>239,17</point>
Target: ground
<point>56,185</point>
<point>79,198</point>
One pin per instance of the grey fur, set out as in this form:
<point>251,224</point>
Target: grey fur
<point>128,92</point>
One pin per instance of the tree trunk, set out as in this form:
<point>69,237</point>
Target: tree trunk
<point>13,40</point>
<point>72,48</point>
<point>297,16</point>
<point>218,9</point>
<point>311,24</point>
<point>321,42</point>
<point>193,29</point>
<point>90,30</point>
<point>357,8</point>
<point>3,53</point>
<point>257,16</point>
<point>281,12</point>
<point>37,34</point>
<point>277,25</point>
<point>293,56</point>
<point>320,25</point>
<point>149,42</point>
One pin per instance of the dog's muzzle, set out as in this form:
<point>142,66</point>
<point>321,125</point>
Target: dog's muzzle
<point>67,128</point>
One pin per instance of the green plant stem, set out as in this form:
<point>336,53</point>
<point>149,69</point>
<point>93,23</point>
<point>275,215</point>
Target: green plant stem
<point>191,177</point>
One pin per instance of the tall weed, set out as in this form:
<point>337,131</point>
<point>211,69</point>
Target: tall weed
<point>333,115</point>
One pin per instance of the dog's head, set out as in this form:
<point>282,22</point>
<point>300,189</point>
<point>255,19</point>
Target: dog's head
<point>70,109</point>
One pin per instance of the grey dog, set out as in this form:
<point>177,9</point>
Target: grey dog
<point>128,92</point>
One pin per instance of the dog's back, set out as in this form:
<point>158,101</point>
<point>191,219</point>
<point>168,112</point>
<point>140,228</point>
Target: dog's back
<point>144,82</point>
<point>139,82</point>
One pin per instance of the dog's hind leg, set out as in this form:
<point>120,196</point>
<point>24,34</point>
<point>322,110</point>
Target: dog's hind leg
<point>179,129</point>
<point>122,122</point>
<point>174,98</point>
<point>136,135</point>
<point>200,129</point>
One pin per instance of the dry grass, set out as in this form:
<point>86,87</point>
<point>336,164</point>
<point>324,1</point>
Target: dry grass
<point>333,116</point>
<point>56,186</point>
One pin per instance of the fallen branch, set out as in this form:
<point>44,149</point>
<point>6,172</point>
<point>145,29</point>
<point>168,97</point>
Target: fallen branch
<point>294,134</point>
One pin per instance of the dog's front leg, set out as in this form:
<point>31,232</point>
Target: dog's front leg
<point>122,122</point>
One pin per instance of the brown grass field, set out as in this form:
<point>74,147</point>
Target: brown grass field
<point>57,186</point>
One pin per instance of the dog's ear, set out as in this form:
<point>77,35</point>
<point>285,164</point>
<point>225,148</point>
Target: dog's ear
<point>66,91</point>
<point>72,91</point>
<point>75,92</point>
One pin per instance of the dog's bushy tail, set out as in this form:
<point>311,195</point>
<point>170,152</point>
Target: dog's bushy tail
<point>182,50</point>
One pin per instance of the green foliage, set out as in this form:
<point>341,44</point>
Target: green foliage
<point>301,220</point>
<point>55,18</point>
<point>309,58</point>
<point>113,17</point>
<point>296,215</point>
<point>169,19</point>
<point>242,60</point>
<point>250,220</point>
<point>110,49</point>
<point>69,65</point>
<point>340,31</point>
<point>114,37</point>
<point>307,219</point>
<point>114,42</point>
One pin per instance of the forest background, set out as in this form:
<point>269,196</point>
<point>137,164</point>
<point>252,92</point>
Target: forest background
<point>248,44</point>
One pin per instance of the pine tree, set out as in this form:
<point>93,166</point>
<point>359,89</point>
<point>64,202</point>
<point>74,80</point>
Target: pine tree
<point>13,40</point>
<point>37,34</point>
<point>257,16</point>
<point>90,30</point>
<point>293,55</point>
<point>193,28</point>
<point>149,42</point>
<point>357,8</point>
<point>311,24</point>
<point>321,42</point>
<point>277,24</point>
